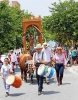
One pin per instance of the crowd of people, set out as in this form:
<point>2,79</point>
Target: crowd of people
<point>43,54</point>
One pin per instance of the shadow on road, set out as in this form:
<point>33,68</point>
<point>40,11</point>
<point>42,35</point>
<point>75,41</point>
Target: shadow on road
<point>52,80</point>
<point>66,83</point>
<point>17,94</point>
<point>50,92</point>
<point>34,81</point>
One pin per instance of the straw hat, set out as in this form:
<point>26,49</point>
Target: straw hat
<point>38,46</point>
<point>11,50</point>
<point>45,44</point>
<point>59,48</point>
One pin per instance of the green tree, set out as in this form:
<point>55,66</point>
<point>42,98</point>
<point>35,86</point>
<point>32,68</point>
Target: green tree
<point>47,34</point>
<point>11,27</point>
<point>63,21</point>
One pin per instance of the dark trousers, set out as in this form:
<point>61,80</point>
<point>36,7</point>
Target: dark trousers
<point>39,81</point>
<point>59,70</point>
<point>13,63</point>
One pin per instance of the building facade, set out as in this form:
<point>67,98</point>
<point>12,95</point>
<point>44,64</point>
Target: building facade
<point>15,4</point>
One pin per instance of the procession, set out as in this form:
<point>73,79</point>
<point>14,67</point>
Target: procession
<point>38,55</point>
<point>45,63</point>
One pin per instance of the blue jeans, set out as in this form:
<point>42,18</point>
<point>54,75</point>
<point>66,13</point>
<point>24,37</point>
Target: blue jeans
<point>6,86</point>
<point>39,81</point>
<point>59,70</point>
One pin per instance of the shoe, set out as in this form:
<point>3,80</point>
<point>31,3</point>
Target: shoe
<point>58,79</point>
<point>61,80</point>
<point>48,82</point>
<point>60,83</point>
<point>42,91</point>
<point>7,94</point>
<point>39,93</point>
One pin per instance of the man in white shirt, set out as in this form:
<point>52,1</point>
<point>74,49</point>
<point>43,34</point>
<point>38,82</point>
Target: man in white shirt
<point>39,58</point>
<point>48,53</point>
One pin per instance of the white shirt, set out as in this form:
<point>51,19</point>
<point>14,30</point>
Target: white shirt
<point>47,53</point>
<point>40,55</point>
<point>13,57</point>
<point>5,68</point>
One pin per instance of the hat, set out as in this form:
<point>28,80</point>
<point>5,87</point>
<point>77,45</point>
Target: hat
<point>45,44</point>
<point>11,50</point>
<point>59,48</point>
<point>38,46</point>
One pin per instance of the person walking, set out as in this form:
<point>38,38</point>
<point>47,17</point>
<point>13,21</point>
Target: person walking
<point>6,69</point>
<point>39,58</point>
<point>48,53</point>
<point>60,64</point>
<point>13,60</point>
<point>74,55</point>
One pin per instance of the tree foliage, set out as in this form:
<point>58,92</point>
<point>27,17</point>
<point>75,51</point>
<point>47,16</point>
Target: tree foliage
<point>63,21</point>
<point>47,36</point>
<point>11,26</point>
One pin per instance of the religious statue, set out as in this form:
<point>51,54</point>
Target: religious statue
<point>31,42</point>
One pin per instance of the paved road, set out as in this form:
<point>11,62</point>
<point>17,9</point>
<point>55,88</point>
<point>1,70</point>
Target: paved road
<point>67,91</point>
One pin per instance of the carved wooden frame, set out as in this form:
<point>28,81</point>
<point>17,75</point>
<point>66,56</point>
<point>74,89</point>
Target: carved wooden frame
<point>32,22</point>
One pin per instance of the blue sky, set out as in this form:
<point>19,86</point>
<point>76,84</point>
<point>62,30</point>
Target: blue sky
<point>37,7</point>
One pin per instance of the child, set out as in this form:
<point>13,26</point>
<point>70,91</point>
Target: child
<point>6,69</point>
